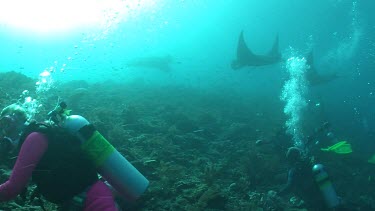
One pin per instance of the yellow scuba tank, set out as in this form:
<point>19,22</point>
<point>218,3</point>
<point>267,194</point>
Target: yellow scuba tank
<point>110,164</point>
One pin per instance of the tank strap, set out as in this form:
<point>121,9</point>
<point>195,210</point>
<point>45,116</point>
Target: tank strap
<point>87,131</point>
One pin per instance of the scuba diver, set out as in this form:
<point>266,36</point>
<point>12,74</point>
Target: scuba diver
<point>301,180</point>
<point>63,157</point>
<point>321,136</point>
<point>312,184</point>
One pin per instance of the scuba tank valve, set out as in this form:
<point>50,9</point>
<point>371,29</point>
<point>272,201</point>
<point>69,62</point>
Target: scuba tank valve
<point>58,114</point>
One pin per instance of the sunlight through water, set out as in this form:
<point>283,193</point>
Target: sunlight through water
<point>94,19</point>
<point>45,16</point>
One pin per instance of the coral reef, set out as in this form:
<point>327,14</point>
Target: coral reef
<point>201,150</point>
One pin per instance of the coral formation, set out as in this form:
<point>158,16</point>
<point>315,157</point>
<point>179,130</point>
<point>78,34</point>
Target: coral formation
<point>200,150</point>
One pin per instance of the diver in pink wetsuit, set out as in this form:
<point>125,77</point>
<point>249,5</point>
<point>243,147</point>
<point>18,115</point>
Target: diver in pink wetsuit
<point>54,161</point>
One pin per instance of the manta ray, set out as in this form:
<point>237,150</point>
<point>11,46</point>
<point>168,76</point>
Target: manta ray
<point>245,57</point>
<point>156,62</point>
<point>313,77</point>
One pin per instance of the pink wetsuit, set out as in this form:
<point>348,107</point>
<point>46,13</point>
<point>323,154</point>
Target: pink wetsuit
<point>98,197</point>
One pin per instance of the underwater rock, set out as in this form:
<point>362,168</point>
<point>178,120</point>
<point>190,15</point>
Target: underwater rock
<point>197,155</point>
<point>129,114</point>
<point>78,94</point>
<point>237,131</point>
<point>209,199</point>
<point>14,83</point>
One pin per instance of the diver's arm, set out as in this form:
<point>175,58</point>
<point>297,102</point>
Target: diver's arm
<point>31,152</point>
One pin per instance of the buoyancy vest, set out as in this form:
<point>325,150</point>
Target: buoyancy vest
<point>64,170</point>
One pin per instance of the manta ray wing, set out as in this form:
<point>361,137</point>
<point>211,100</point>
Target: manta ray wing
<point>245,57</point>
<point>243,52</point>
<point>314,78</point>
<point>275,48</point>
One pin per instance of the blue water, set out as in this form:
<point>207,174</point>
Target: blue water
<point>201,36</point>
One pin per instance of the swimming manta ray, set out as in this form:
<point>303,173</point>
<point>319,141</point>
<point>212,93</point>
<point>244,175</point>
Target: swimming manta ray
<point>313,77</point>
<point>156,62</point>
<point>245,57</point>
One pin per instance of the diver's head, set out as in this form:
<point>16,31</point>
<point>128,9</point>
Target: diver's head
<point>294,155</point>
<point>12,121</point>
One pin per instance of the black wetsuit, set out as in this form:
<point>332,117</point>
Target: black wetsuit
<point>301,183</point>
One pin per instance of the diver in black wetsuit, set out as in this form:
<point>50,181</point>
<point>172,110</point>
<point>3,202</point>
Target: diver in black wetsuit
<point>301,180</point>
<point>311,183</point>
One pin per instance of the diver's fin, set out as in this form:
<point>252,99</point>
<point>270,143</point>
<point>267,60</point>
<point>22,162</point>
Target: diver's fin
<point>372,159</point>
<point>341,147</point>
<point>243,52</point>
<point>275,48</point>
